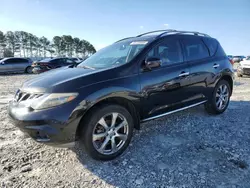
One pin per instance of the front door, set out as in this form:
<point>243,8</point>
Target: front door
<point>165,88</point>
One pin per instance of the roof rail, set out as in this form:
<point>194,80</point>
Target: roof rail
<point>183,32</point>
<point>163,30</point>
<point>194,32</point>
<point>124,39</point>
<point>167,31</point>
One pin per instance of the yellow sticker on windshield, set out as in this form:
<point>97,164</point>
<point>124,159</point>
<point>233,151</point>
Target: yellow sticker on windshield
<point>139,43</point>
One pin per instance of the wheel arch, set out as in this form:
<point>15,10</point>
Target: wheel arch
<point>229,80</point>
<point>122,101</point>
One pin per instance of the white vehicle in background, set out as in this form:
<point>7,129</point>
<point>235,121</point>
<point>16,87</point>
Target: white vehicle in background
<point>244,67</point>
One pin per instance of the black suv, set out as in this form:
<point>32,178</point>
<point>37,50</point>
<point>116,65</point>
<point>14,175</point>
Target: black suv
<point>134,80</point>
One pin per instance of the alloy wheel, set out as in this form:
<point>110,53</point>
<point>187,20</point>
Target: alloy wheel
<point>222,97</point>
<point>110,133</point>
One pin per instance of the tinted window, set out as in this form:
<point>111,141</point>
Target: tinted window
<point>57,60</point>
<point>9,61</point>
<point>46,60</point>
<point>195,49</point>
<point>16,60</point>
<point>169,51</point>
<point>212,45</point>
<point>69,61</point>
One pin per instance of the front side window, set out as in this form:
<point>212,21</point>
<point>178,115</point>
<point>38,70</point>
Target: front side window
<point>195,49</point>
<point>114,55</point>
<point>168,51</point>
<point>8,61</point>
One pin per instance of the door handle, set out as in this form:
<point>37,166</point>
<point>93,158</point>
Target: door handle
<point>184,74</point>
<point>216,66</point>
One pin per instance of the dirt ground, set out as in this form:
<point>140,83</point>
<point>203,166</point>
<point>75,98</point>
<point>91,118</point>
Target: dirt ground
<point>186,149</point>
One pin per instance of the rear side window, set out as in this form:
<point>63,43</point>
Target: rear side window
<point>212,45</point>
<point>195,49</point>
<point>22,60</point>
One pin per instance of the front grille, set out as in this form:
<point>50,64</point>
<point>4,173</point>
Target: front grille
<point>22,96</point>
<point>246,69</point>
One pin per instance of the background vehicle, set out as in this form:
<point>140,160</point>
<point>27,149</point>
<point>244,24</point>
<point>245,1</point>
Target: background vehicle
<point>14,64</point>
<point>230,57</point>
<point>51,63</point>
<point>134,80</point>
<point>247,57</point>
<point>237,59</point>
<point>244,67</point>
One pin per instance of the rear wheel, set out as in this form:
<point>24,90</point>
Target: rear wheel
<point>220,98</point>
<point>29,70</point>
<point>107,132</point>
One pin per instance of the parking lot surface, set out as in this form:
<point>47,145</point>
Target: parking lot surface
<point>186,149</point>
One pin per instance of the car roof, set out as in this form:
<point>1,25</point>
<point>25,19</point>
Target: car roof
<point>6,58</point>
<point>152,35</point>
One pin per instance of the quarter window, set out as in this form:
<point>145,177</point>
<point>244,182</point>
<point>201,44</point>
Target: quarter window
<point>195,49</point>
<point>212,45</point>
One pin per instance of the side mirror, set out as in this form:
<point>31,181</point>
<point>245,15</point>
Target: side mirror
<point>152,62</point>
<point>2,63</point>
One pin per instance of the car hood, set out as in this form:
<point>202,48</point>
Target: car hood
<point>60,80</point>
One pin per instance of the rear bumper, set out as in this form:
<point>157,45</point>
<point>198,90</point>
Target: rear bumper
<point>53,126</point>
<point>38,69</point>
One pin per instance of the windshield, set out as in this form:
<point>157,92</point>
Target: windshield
<point>248,58</point>
<point>114,55</point>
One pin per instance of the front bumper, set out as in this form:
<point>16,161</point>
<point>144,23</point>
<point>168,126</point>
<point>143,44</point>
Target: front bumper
<point>243,71</point>
<point>55,126</point>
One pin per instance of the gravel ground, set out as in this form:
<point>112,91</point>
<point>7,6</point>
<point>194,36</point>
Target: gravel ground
<point>186,149</point>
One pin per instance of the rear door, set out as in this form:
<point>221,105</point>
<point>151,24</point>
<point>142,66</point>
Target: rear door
<point>21,64</point>
<point>203,67</point>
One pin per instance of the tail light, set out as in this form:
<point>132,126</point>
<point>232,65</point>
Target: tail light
<point>231,61</point>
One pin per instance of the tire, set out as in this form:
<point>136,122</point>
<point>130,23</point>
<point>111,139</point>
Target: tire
<point>106,136</point>
<point>211,106</point>
<point>29,70</point>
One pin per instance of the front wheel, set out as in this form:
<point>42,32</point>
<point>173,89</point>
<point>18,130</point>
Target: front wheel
<point>220,98</point>
<point>107,132</point>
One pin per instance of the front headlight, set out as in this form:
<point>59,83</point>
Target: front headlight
<point>52,100</point>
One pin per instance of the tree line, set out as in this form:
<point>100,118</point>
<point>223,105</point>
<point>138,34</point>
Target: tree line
<point>24,44</point>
